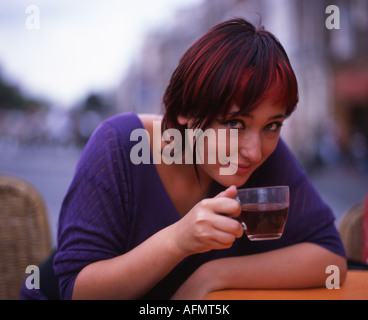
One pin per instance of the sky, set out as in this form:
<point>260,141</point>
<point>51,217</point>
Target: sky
<point>60,50</point>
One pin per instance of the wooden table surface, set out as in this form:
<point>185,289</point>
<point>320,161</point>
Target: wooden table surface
<point>355,287</point>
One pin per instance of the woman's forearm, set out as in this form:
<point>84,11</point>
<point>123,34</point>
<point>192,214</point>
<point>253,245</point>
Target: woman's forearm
<point>298,266</point>
<point>130,275</point>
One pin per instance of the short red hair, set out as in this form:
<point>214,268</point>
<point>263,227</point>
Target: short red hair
<point>232,63</point>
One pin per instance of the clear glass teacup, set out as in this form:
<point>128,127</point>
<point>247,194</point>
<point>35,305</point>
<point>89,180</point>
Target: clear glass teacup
<point>264,211</point>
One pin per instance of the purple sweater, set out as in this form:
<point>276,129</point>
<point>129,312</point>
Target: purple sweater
<point>113,205</point>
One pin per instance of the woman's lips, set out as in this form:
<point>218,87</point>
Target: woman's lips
<point>242,168</point>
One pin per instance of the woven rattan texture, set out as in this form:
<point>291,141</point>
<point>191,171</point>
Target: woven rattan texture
<point>351,231</point>
<point>24,233</point>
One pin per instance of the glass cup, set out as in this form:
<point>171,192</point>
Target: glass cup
<point>264,211</point>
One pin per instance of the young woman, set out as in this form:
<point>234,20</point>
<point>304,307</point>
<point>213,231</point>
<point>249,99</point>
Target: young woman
<point>158,230</point>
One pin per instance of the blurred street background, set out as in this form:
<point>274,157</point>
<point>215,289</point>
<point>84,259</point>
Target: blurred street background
<point>65,66</point>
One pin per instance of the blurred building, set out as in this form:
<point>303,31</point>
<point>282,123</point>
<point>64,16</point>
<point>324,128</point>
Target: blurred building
<point>331,66</point>
<point>349,64</point>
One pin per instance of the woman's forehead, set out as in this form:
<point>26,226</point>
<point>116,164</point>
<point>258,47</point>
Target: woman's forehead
<point>234,109</point>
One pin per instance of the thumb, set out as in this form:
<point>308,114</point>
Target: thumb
<point>230,192</point>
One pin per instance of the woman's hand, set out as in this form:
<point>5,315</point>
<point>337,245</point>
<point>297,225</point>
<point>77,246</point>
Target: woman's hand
<point>197,286</point>
<point>209,224</point>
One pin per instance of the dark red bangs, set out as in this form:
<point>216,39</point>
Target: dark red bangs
<point>212,77</point>
<point>276,83</point>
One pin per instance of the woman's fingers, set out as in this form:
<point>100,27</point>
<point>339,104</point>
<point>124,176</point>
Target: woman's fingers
<point>217,213</point>
<point>228,225</point>
<point>230,192</point>
<point>222,240</point>
<point>223,205</point>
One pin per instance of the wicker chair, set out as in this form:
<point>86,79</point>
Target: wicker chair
<point>351,231</point>
<point>24,233</point>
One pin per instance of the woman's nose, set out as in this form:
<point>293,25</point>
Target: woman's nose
<point>250,147</point>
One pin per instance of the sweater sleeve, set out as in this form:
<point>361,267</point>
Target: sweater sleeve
<point>94,218</point>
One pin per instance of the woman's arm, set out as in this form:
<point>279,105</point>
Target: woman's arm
<point>298,266</point>
<point>131,275</point>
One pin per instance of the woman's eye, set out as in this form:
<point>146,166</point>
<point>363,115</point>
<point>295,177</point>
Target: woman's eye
<point>273,126</point>
<point>234,124</point>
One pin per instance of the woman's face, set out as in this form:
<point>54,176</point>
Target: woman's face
<point>257,136</point>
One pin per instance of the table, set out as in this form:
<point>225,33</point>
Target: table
<point>355,287</point>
